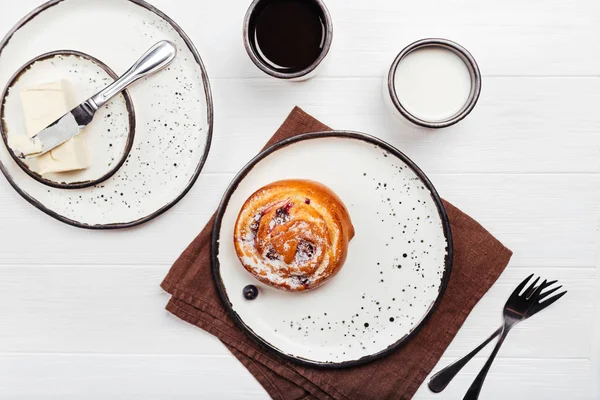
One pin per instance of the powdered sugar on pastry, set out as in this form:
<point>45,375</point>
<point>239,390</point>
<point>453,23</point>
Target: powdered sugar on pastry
<point>293,235</point>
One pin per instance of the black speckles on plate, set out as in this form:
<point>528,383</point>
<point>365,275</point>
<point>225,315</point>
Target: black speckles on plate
<point>370,305</point>
<point>143,173</point>
<point>61,65</point>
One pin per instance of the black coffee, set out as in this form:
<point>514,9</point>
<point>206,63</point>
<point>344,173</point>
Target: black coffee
<point>287,35</point>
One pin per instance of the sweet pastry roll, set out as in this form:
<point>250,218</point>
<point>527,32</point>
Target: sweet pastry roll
<point>293,234</point>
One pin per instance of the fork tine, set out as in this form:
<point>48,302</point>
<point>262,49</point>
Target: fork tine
<point>521,286</point>
<point>553,299</point>
<point>540,306</point>
<point>531,288</point>
<point>550,283</point>
<point>538,289</point>
<point>548,293</point>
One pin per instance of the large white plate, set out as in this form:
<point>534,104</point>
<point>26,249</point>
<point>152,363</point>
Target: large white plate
<point>397,267</point>
<point>173,109</point>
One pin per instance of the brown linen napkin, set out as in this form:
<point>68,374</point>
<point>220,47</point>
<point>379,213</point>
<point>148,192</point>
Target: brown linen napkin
<point>479,259</point>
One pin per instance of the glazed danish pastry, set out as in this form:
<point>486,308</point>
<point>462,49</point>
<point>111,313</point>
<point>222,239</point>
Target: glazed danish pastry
<point>293,234</point>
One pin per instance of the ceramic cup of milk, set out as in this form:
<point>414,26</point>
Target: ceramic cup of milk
<point>433,83</point>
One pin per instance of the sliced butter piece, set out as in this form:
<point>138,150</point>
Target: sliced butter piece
<point>42,105</point>
<point>70,156</point>
<point>21,144</point>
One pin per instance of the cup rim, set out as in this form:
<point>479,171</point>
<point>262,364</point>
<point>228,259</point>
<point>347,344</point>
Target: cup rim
<point>474,73</point>
<point>284,75</point>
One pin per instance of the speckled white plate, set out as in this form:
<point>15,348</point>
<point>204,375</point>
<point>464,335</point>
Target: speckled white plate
<point>173,109</point>
<point>110,135</point>
<point>398,263</point>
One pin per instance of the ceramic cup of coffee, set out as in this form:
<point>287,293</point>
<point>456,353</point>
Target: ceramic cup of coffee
<point>288,39</point>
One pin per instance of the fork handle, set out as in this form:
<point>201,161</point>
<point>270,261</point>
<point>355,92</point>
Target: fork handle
<point>473,392</point>
<point>441,379</point>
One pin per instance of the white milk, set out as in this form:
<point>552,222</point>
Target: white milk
<point>432,83</point>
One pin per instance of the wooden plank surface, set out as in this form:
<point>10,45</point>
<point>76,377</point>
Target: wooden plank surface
<point>520,125</point>
<point>98,377</point>
<point>81,313</point>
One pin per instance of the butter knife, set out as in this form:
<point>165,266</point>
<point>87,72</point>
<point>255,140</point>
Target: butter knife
<point>69,125</point>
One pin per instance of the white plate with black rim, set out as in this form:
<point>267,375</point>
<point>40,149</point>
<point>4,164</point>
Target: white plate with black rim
<point>398,263</point>
<point>173,110</point>
<point>108,139</point>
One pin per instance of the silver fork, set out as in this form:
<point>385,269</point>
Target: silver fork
<point>518,308</point>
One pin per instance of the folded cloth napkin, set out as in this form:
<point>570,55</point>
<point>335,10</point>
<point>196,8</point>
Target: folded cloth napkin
<point>479,259</point>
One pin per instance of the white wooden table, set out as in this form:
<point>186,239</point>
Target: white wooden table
<point>81,312</point>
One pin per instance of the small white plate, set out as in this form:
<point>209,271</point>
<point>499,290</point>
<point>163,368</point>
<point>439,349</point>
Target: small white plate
<point>110,135</point>
<point>398,263</point>
<point>174,115</point>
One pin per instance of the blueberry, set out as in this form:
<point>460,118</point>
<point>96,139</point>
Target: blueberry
<point>250,292</point>
<point>283,212</point>
<point>272,254</point>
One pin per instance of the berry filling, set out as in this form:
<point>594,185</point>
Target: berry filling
<point>305,250</point>
<point>301,280</point>
<point>282,215</point>
<point>272,254</point>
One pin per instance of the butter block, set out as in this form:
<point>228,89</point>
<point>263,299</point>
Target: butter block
<point>42,105</point>
<point>23,144</point>
<point>70,156</point>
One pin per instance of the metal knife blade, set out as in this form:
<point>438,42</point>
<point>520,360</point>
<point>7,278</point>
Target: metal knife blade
<point>63,129</point>
<point>69,125</point>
